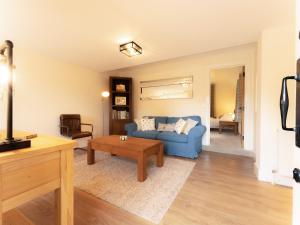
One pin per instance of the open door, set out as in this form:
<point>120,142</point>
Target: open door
<point>296,185</point>
<point>296,172</point>
<point>284,106</point>
<point>242,103</point>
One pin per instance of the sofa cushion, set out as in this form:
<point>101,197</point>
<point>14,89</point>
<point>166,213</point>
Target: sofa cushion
<point>172,136</point>
<point>180,125</point>
<point>166,127</point>
<point>189,125</point>
<point>147,124</point>
<point>150,134</point>
<point>158,119</point>
<point>175,119</point>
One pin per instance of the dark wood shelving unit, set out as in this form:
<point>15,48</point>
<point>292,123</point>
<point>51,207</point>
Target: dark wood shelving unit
<point>119,115</point>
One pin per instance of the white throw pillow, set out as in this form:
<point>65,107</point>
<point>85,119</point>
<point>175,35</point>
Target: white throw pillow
<point>148,124</point>
<point>166,127</point>
<point>189,125</point>
<point>180,125</point>
<point>138,124</point>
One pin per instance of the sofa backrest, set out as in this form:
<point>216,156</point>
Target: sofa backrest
<point>165,119</point>
<point>175,119</point>
<point>158,119</point>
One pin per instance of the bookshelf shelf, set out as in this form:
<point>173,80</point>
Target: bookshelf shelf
<point>120,92</point>
<point>120,105</point>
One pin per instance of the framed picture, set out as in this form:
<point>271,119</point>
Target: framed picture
<point>120,88</point>
<point>120,100</point>
<point>172,88</point>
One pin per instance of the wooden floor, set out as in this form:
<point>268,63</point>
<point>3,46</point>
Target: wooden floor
<point>222,190</point>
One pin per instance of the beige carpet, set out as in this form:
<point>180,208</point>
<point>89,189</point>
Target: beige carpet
<point>114,179</point>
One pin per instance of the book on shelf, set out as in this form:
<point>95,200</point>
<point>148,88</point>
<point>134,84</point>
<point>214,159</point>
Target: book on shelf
<point>120,114</point>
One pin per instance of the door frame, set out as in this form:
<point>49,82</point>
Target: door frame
<point>249,101</point>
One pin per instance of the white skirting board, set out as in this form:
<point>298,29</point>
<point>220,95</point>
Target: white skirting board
<point>282,180</point>
<point>274,178</point>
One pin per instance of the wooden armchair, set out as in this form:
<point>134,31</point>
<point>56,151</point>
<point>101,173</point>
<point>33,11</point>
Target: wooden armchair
<point>70,126</point>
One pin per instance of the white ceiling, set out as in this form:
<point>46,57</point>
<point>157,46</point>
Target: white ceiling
<point>88,32</point>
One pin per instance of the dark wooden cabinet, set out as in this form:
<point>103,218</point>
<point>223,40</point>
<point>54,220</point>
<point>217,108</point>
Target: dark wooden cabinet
<point>120,104</point>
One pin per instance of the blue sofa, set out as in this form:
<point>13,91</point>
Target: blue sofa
<point>174,144</point>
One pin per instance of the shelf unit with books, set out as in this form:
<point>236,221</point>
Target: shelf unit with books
<point>120,104</point>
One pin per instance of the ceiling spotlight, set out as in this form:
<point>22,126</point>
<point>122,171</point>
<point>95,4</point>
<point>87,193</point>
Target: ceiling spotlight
<point>131,49</point>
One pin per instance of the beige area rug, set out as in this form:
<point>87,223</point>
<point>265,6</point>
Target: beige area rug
<point>114,179</point>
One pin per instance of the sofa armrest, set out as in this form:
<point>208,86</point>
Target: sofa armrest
<point>196,133</point>
<point>130,127</point>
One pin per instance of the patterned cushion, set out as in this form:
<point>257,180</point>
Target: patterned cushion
<point>189,125</point>
<point>148,124</point>
<point>138,124</point>
<point>166,127</point>
<point>180,125</point>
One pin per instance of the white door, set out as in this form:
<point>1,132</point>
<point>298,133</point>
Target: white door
<point>296,191</point>
<point>296,185</point>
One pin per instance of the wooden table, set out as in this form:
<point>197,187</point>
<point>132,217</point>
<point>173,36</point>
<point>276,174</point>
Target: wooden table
<point>32,172</point>
<point>229,124</point>
<point>138,149</point>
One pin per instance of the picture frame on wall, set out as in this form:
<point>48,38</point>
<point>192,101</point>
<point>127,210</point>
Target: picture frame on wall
<point>120,100</point>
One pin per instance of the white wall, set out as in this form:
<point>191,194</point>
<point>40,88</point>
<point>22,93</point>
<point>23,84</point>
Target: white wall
<point>276,59</point>
<point>47,87</point>
<point>199,67</point>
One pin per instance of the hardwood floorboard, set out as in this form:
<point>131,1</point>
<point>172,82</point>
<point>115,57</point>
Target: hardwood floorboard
<point>221,190</point>
<point>14,217</point>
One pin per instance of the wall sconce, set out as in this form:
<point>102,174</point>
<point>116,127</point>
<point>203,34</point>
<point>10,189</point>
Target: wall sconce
<point>105,94</point>
<point>10,143</point>
<point>131,49</point>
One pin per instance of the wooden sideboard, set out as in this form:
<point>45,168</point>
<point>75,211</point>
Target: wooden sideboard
<point>32,172</point>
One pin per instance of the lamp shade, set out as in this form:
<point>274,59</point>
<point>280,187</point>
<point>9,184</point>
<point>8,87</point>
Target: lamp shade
<point>131,49</point>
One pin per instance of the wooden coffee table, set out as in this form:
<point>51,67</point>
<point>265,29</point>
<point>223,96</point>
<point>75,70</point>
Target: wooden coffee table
<point>138,149</point>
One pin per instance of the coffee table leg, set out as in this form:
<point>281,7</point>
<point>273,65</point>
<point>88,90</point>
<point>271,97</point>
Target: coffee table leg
<point>90,155</point>
<point>142,168</point>
<point>160,156</point>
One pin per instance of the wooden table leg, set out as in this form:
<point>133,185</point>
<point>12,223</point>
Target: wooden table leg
<point>236,129</point>
<point>65,194</point>
<point>160,156</point>
<point>90,154</point>
<point>142,168</point>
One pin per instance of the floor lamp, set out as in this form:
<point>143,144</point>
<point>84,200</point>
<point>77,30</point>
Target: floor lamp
<point>104,94</point>
<point>10,143</point>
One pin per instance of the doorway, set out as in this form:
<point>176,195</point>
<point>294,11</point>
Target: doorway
<point>227,110</point>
